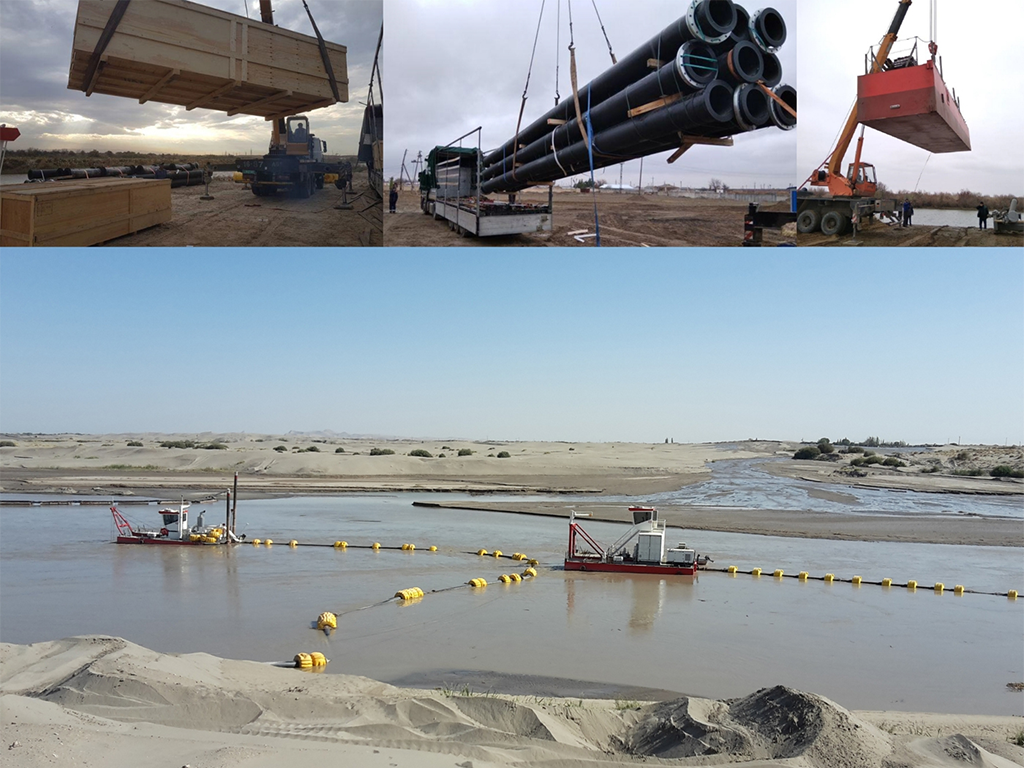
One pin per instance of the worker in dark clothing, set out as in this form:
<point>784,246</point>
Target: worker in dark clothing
<point>982,216</point>
<point>908,213</point>
<point>392,199</point>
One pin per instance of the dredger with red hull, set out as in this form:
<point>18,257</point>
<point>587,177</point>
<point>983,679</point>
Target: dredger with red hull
<point>175,530</point>
<point>641,549</point>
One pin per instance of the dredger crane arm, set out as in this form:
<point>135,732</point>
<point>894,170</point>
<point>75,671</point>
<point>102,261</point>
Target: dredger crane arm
<point>836,159</point>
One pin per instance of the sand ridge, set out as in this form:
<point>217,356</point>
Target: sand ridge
<point>101,700</point>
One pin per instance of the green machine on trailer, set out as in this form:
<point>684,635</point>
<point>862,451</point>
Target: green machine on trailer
<point>450,190</point>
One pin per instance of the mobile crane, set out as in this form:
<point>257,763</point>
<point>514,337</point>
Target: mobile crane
<point>295,162</point>
<point>853,194</point>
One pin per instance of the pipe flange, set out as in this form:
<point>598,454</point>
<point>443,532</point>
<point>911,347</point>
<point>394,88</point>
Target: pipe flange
<point>688,53</point>
<point>755,35</point>
<point>738,109</point>
<point>775,111</point>
<point>694,27</point>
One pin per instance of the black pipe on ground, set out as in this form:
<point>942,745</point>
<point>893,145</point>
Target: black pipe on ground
<point>712,20</point>
<point>38,174</point>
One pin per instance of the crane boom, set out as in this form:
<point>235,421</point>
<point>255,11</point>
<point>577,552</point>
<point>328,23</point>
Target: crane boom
<point>836,159</point>
<point>266,11</point>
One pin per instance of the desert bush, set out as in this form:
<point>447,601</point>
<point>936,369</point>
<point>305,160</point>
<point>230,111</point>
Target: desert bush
<point>808,452</point>
<point>858,462</point>
<point>872,460</point>
<point>381,452</point>
<point>465,451</point>
<point>421,453</point>
<point>962,456</point>
<point>892,461</point>
<point>178,444</point>
<point>441,456</point>
<point>339,450</point>
<point>311,449</point>
<point>1004,470</point>
<point>826,447</point>
<point>869,453</point>
<point>280,448</point>
<point>855,449</point>
<point>968,472</point>
<point>504,455</point>
<point>131,443</point>
<point>212,447</point>
<point>931,470</point>
<point>9,444</point>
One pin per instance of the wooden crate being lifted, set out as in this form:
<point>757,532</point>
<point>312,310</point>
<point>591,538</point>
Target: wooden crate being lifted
<point>80,213</point>
<point>178,52</point>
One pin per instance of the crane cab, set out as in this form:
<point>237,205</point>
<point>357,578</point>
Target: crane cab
<point>297,134</point>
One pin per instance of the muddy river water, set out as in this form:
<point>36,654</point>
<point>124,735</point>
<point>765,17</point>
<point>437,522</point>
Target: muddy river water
<point>716,635</point>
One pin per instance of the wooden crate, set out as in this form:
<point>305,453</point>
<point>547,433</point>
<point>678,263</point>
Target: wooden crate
<point>178,52</point>
<point>81,213</point>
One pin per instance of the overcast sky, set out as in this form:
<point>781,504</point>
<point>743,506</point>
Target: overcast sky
<point>35,55</point>
<point>983,59</point>
<point>639,345</point>
<point>454,65</point>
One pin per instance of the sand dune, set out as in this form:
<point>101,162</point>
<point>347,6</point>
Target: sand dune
<point>98,700</point>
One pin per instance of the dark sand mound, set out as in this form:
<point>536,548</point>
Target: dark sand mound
<point>772,724</point>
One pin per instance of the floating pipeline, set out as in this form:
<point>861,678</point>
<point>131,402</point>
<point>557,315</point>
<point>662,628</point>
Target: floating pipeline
<point>327,621</point>
<point>910,585</point>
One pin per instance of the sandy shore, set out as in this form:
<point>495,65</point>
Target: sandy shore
<point>106,466</point>
<point>105,702</point>
<point>293,464</point>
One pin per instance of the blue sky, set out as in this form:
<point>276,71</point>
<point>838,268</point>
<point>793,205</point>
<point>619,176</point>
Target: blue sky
<point>639,345</point>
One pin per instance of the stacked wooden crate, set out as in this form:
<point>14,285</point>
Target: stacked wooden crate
<point>80,213</point>
<point>178,52</point>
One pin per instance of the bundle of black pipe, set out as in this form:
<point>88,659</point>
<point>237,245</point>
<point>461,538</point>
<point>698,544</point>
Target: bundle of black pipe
<point>710,111</point>
<point>712,88</point>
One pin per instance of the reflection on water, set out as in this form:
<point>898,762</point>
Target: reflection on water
<point>744,484</point>
<point>646,595</point>
<point>721,636</point>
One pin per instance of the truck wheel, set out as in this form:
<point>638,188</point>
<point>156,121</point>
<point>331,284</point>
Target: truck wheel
<point>807,221</point>
<point>833,223</point>
<point>319,181</point>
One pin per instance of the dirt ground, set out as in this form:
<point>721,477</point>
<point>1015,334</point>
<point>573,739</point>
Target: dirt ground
<point>880,235</point>
<point>626,220</point>
<point>236,217</point>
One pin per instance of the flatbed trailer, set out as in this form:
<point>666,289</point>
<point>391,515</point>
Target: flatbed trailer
<point>450,190</point>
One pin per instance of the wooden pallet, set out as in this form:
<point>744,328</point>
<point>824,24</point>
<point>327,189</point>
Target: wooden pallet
<point>178,52</point>
<point>81,213</point>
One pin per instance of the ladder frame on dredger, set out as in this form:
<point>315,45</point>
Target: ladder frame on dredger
<point>450,190</point>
